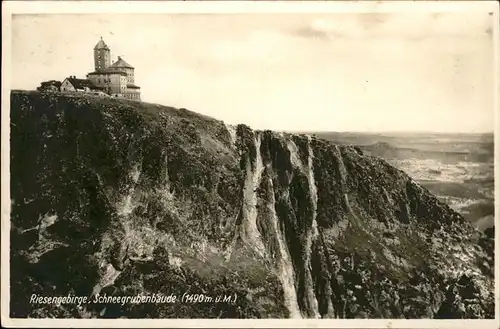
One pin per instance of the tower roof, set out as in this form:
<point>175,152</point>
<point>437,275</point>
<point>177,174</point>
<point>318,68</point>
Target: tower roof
<point>101,45</point>
<point>121,63</point>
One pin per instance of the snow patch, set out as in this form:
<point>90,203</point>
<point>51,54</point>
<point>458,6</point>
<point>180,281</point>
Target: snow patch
<point>174,260</point>
<point>249,231</point>
<point>232,133</point>
<point>285,267</point>
<point>47,221</point>
<point>108,275</point>
<point>342,169</point>
<point>312,186</point>
<point>294,155</point>
<point>135,173</point>
<point>126,207</point>
<point>313,232</point>
<point>167,177</point>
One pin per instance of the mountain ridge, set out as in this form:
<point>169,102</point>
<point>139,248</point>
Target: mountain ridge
<point>131,197</point>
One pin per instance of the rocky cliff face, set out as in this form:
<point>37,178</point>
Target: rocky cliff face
<point>119,198</point>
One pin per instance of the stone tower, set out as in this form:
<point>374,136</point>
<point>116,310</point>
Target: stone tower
<point>115,79</point>
<point>102,56</point>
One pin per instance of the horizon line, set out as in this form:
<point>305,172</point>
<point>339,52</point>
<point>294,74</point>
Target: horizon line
<point>389,132</point>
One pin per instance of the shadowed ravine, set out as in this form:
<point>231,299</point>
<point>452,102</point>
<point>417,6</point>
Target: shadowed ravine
<point>119,198</point>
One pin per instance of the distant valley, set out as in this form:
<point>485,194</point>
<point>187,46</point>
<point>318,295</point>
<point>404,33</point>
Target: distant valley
<point>458,168</point>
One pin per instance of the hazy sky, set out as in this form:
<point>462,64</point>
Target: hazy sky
<point>342,71</point>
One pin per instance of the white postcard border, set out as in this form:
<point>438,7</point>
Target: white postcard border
<point>142,7</point>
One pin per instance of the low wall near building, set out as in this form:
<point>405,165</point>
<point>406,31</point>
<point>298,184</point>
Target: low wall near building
<point>89,93</point>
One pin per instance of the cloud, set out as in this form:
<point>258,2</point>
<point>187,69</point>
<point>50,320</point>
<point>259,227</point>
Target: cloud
<point>318,29</point>
<point>369,21</point>
<point>408,26</point>
<point>346,26</point>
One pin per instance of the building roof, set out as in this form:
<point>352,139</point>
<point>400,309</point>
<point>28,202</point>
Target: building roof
<point>101,45</point>
<point>51,83</point>
<point>81,83</point>
<point>121,63</point>
<point>107,71</point>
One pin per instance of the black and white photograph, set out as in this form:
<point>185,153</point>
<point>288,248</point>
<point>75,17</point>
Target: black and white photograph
<point>319,162</point>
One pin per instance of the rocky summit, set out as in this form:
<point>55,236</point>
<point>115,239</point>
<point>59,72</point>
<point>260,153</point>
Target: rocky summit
<point>112,197</point>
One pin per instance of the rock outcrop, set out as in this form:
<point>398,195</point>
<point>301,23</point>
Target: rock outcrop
<point>119,198</point>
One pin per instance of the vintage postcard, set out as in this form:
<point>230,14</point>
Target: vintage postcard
<point>250,164</point>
